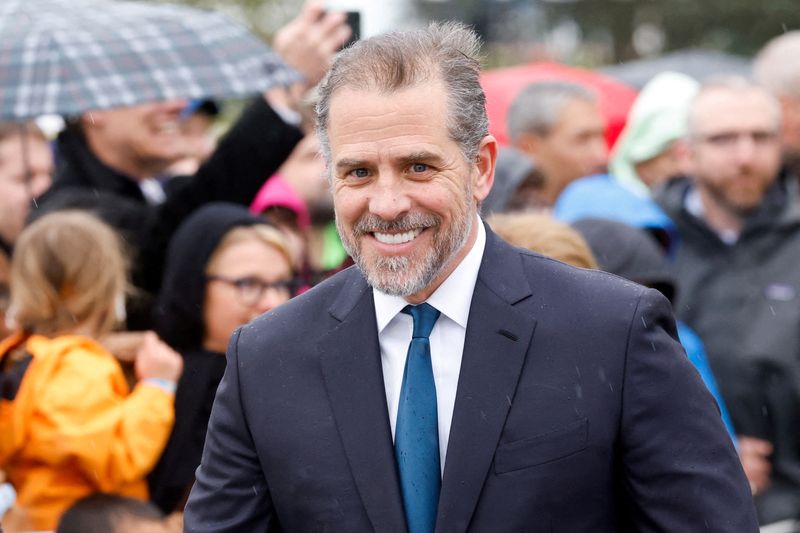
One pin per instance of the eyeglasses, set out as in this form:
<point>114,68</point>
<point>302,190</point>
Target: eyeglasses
<point>251,289</point>
<point>729,139</point>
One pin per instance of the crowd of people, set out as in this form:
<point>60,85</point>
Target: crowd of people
<point>707,171</point>
<point>129,277</point>
<point>134,246</point>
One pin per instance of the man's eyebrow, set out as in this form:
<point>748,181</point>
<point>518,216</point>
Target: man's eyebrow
<point>350,163</point>
<point>422,156</point>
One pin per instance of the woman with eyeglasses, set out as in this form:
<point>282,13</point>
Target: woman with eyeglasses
<point>224,267</point>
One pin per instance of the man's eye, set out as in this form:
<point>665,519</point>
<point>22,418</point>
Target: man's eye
<point>419,167</point>
<point>359,173</point>
<point>763,137</point>
<point>248,283</point>
<point>721,139</point>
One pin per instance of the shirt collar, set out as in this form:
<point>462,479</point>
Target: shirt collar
<point>152,191</point>
<point>454,295</point>
<point>694,206</point>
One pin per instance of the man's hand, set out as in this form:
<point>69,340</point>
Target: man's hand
<point>309,42</point>
<point>157,360</point>
<point>754,454</point>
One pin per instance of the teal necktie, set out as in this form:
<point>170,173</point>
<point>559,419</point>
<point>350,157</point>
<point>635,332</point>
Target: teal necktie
<point>416,442</point>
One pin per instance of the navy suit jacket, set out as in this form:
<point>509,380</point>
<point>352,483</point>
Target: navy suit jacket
<point>576,410</point>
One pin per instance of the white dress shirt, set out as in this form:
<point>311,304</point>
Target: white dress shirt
<point>452,299</point>
<point>152,191</point>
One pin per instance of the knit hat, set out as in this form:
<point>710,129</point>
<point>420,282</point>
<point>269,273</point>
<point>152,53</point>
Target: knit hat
<point>277,192</point>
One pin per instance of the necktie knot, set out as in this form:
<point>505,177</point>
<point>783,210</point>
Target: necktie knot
<point>425,317</point>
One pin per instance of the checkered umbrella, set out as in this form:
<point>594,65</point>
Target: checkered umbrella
<point>70,56</point>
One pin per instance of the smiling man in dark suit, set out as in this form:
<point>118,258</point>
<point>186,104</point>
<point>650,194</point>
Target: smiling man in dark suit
<point>450,382</point>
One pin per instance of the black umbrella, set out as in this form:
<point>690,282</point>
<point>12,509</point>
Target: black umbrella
<point>694,62</point>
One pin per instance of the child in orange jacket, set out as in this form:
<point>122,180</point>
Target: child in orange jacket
<point>69,424</point>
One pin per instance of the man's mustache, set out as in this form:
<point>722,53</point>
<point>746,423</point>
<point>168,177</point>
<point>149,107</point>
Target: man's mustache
<point>371,223</point>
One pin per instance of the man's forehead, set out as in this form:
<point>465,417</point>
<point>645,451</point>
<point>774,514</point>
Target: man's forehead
<point>579,113</point>
<point>578,117</point>
<point>11,147</point>
<point>434,87</point>
<point>308,145</point>
<point>726,107</point>
<point>373,115</point>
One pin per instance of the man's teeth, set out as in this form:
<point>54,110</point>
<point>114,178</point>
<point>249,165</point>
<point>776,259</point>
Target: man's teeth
<point>397,238</point>
<point>168,127</point>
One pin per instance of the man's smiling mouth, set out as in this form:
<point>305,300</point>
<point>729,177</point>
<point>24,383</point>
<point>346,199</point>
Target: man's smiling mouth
<point>397,238</point>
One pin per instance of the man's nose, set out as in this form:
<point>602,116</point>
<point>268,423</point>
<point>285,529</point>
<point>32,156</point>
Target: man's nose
<point>745,149</point>
<point>389,199</point>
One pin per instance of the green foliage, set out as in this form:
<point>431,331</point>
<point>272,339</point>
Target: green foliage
<point>736,26</point>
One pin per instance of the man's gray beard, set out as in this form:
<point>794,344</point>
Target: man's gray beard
<point>384,275</point>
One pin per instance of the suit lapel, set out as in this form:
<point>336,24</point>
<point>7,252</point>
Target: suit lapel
<point>496,344</point>
<point>351,365</point>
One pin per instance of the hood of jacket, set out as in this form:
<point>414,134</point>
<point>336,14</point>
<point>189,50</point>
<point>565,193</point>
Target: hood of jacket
<point>600,196</point>
<point>628,252</point>
<point>178,314</point>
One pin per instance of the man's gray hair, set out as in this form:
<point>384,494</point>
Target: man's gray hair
<point>448,51</point>
<point>731,83</point>
<point>537,107</point>
<point>777,65</point>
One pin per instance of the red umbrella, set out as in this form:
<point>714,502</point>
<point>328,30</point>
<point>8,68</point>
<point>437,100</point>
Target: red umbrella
<point>502,86</point>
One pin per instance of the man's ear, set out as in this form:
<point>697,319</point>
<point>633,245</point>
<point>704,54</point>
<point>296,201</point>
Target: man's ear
<point>682,155</point>
<point>529,142</point>
<point>692,149</point>
<point>485,164</point>
<point>790,114</point>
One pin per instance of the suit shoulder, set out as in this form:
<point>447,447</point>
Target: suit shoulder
<point>585,296</point>
<point>543,270</point>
